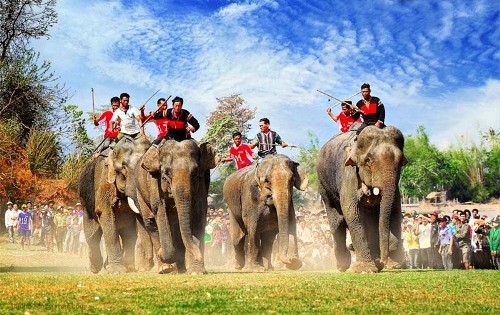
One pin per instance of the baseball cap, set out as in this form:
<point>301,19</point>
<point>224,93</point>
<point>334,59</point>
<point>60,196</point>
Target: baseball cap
<point>9,202</point>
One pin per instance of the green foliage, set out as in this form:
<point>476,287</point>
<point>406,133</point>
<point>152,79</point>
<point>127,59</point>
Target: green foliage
<point>72,168</point>
<point>308,157</point>
<point>427,168</point>
<point>81,143</point>
<point>44,153</point>
<point>219,134</point>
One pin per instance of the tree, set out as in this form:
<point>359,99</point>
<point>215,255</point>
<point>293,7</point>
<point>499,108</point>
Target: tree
<point>307,159</point>
<point>426,169</point>
<point>81,144</point>
<point>28,92</point>
<point>23,20</point>
<point>231,114</point>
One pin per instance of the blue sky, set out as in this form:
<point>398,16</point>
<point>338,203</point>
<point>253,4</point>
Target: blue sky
<point>433,63</point>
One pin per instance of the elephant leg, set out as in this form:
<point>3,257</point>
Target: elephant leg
<point>144,251</point>
<point>93,235</point>
<point>267,238</point>
<point>364,261</point>
<point>293,251</point>
<point>238,239</point>
<point>254,247</point>
<point>114,260</point>
<point>396,251</point>
<point>126,221</point>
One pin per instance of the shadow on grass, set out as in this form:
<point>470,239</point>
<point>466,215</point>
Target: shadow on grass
<point>14,269</point>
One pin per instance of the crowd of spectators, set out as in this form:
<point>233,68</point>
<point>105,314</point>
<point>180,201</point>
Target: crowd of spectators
<point>461,240</point>
<point>55,228</point>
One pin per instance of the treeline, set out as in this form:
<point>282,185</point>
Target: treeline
<point>37,127</point>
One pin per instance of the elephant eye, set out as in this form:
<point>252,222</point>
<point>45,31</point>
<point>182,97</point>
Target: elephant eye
<point>368,160</point>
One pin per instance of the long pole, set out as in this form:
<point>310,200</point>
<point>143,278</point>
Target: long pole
<point>92,91</point>
<point>156,111</point>
<point>339,100</point>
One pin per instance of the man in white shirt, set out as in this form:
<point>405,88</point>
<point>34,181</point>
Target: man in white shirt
<point>11,221</point>
<point>424,239</point>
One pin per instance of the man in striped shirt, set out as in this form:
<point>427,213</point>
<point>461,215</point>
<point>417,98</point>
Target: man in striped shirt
<point>267,139</point>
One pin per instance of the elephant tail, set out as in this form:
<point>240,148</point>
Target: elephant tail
<point>86,188</point>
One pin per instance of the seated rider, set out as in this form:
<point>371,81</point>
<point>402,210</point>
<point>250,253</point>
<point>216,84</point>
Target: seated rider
<point>370,108</point>
<point>180,122</point>
<point>109,134</point>
<point>267,139</point>
<point>161,123</point>
<point>344,118</point>
<point>239,152</point>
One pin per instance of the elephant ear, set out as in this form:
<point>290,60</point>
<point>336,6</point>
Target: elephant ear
<point>151,160</point>
<point>300,179</point>
<point>208,157</point>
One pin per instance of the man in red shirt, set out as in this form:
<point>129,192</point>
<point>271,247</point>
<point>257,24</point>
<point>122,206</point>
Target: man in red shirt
<point>371,109</point>
<point>161,122</point>
<point>109,133</point>
<point>344,118</point>
<point>240,153</point>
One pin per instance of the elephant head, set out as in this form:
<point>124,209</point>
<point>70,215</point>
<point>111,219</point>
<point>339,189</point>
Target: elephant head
<point>183,169</point>
<point>276,176</point>
<point>378,157</point>
<point>126,154</point>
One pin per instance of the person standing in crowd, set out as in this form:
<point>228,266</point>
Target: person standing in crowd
<point>10,222</point>
<point>110,134</point>
<point>411,238</point>
<point>462,238</point>
<point>180,122</point>
<point>445,243</point>
<point>60,228</point>
<point>267,139</point>
<point>37,226</point>
<point>239,152</point>
<point>494,241</point>
<point>344,118</point>
<point>48,228</point>
<point>424,241</point>
<point>161,123</point>
<point>25,224</point>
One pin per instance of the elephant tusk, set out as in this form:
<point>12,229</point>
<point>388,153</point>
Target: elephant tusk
<point>132,205</point>
<point>376,191</point>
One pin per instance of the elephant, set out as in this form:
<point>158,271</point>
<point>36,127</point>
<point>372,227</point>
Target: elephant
<point>259,198</point>
<point>358,182</point>
<point>172,184</point>
<point>106,211</point>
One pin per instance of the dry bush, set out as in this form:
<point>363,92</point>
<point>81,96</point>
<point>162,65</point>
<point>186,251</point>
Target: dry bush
<point>43,151</point>
<point>71,169</point>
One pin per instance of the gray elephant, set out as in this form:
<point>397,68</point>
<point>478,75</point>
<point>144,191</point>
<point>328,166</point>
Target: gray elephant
<point>359,187</point>
<point>106,211</point>
<point>259,198</point>
<point>171,194</point>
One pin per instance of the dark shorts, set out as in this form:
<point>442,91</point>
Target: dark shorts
<point>24,232</point>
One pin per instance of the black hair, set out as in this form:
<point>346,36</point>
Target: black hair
<point>178,99</point>
<point>365,86</point>
<point>114,99</point>
<point>124,95</point>
<point>160,100</point>
<point>265,120</point>
<point>236,133</point>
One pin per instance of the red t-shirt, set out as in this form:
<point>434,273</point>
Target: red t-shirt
<point>241,155</point>
<point>106,116</point>
<point>345,121</point>
<point>161,124</point>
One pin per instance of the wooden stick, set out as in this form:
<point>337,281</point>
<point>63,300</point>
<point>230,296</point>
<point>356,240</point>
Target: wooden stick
<point>151,116</point>
<point>92,91</point>
<point>342,101</point>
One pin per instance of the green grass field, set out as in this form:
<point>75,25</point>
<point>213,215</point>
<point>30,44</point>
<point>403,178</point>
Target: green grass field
<point>36,282</point>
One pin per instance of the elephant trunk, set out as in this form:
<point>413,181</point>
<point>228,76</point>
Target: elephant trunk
<point>167,251</point>
<point>183,196</point>
<point>388,194</point>
<point>282,202</point>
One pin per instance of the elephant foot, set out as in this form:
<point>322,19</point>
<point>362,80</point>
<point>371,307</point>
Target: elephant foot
<point>294,264</point>
<point>167,268</point>
<point>196,270</point>
<point>391,264</point>
<point>365,267</point>
<point>254,268</point>
<point>95,268</point>
<point>116,269</point>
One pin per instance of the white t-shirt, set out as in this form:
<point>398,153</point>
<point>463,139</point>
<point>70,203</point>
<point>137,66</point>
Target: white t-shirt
<point>128,120</point>
<point>424,236</point>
